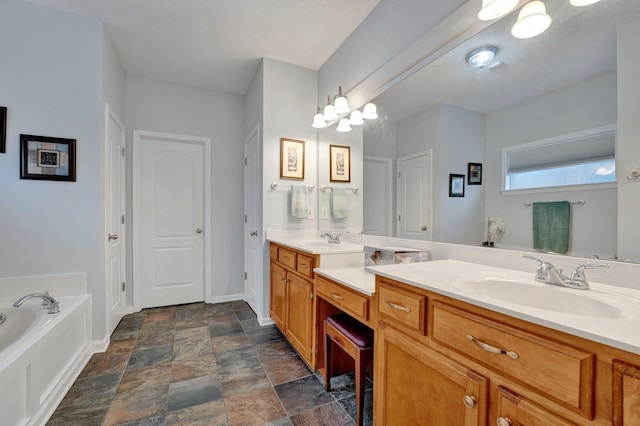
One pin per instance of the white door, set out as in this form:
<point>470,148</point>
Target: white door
<point>414,197</point>
<point>169,200</point>
<point>377,196</point>
<point>115,267</point>
<point>252,231</point>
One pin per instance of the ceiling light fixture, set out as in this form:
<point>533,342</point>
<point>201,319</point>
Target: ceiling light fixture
<point>318,121</point>
<point>370,112</point>
<point>343,126</point>
<point>482,56</point>
<point>532,20</point>
<point>329,113</point>
<point>580,3</point>
<point>494,9</point>
<point>341,105</point>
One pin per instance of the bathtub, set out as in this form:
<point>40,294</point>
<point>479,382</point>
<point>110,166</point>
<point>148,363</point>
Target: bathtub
<point>41,355</point>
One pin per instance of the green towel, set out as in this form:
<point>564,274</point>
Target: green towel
<point>551,226</point>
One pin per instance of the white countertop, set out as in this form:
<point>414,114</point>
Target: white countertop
<point>317,246</point>
<point>456,279</point>
<point>355,278</point>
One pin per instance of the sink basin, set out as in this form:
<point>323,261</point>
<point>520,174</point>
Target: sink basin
<point>323,245</point>
<point>543,296</point>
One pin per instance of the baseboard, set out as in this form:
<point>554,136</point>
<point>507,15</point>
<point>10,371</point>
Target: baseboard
<point>100,345</point>
<point>229,298</point>
<point>265,321</point>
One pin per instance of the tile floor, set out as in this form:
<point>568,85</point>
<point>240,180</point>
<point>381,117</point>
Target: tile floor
<point>203,364</point>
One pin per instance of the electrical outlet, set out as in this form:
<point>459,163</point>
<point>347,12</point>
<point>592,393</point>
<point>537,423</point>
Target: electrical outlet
<point>324,214</point>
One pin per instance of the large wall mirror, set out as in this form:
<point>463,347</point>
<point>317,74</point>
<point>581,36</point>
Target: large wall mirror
<point>448,115</point>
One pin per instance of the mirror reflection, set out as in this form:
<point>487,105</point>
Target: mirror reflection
<point>450,116</point>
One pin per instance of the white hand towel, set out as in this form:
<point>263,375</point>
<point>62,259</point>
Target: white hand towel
<point>299,201</point>
<point>339,203</point>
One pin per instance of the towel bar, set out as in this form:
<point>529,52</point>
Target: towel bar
<point>576,203</point>
<point>275,185</point>
<point>324,188</point>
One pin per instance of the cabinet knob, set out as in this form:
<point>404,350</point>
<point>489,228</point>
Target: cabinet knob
<point>424,228</point>
<point>469,401</point>
<point>199,231</point>
<point>503,421</point>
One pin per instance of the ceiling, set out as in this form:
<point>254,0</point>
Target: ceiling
<point>218,44</point>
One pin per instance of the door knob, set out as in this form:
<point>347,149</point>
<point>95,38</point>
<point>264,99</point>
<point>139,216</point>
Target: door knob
<point>113,237</point>
<point>469,401</point>
<point>253,233</point>
<point>199,231</point>
<point>424,228</point>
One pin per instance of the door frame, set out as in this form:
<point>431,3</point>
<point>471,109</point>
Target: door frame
<point>428,153</point>
<point>138,137</point>
<point>258,273</point>
<point>111,114</point>
<point>390,189</point>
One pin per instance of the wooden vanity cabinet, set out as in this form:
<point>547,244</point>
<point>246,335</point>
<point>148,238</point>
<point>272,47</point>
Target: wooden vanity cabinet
<point>435,356</point>
<point>291,299</point>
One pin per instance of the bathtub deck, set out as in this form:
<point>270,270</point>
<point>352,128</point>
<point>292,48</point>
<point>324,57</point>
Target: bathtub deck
<point>202,364</point>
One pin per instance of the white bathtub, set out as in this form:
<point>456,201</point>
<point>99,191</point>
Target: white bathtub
<point>41,355</point>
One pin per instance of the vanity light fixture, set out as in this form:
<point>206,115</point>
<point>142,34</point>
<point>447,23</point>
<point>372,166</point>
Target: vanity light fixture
<point>370,111</point>
<point>341,105</point>
<point>329,113</point>
<point>355,119</point>
<point>344,126</point>
<point>318,121</point>
<point>494,9</point>
<point>580,3</point>
<point>532,20</point>
<point>482,56</point>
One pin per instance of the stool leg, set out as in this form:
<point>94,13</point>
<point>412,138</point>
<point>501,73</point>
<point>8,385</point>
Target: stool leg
<point>361,380</point>
<point>327,363</point>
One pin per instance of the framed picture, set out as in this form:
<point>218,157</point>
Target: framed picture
<point>3,129</point>
<point>474,174</point>
<point>339,163</point>
<point>456,185</point>
<point>47,158</point>
<point>291,159</point>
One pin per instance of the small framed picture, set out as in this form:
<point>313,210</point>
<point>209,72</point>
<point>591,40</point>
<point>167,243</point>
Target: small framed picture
<point>474,174</point>
<point>456,185</point>
<point>339,163</point>
<point>3,129</point>
<point>291,159</point>
<point>47,158</point>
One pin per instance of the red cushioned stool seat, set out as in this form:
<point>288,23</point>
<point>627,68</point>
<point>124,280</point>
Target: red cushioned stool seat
<point>356,339</point>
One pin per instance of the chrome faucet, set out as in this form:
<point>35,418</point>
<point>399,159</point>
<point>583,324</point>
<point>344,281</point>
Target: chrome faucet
<point>49,301</point>
<point>334,237</point>
<point>547,273</point>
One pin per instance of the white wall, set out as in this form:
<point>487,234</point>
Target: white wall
<point>584,105</point>
<point>50,80</point>
<point>174,108</point>
<point>628,157</point>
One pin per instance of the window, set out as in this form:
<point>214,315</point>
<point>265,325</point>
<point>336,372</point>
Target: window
<point>576,159</point>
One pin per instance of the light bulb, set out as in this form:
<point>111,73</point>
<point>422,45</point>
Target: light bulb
<point>343,126</point>
<point>494,9</point>
<point>532,20</point>
<point>340,104</point>
<point>318,121</point>
<point>370,112</point>
<point>580,3</point>
<point>356,118</point>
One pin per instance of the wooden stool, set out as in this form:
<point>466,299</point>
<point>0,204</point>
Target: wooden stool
<point>356,339</point>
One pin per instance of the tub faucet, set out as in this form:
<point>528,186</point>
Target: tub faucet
<point>334,237</point>
<point>546,272</point>
<point>49,301</point>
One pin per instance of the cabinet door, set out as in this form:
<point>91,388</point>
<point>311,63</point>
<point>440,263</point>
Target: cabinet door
<point>513,410</point>
<point>299,313</point>
<point>626,393</point>
<point>415,385</point>
<point>278,295</point>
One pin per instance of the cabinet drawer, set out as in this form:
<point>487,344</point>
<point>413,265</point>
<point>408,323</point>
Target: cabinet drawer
<point>516,411</point>
<point>355,304</point>
<point>273,252</point>
<point>305,265</point>
<point>287,257</point>
<point>563,373</point>
<point>403,307</point>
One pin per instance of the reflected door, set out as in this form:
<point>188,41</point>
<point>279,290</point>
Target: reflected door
<point>377,197</point>
<point>252,231</point>
<point>414,197</point>
<point>169,202</point>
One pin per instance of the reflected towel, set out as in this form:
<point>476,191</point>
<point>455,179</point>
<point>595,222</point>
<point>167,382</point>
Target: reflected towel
<point>299,201</point>
<point>551,226</point>
<point>339,203</point>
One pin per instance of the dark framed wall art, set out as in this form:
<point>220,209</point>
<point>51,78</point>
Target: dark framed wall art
<point>474,174</point>
<point>291,159</point>
<point>47,158</point>
<point>339,163</point>
<point>456,185</point>
<point>3,129</point>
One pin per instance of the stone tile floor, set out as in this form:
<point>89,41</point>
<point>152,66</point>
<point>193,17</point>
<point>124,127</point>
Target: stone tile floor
<point>203,364</point>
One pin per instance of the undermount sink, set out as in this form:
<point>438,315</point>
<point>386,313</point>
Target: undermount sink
<point>543,296</point>
<point>323,245</point>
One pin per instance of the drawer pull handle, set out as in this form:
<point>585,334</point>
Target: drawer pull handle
<point>490,348</point>
<point>285,257</point>
<point>469,401</point>
<point>397,307</point>
<point>336,296</point>
<point>503,421</point>
<point>303,266</point>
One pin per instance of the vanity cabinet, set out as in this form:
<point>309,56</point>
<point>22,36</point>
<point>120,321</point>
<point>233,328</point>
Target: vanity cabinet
<point>291,297</point>
<point>438,356</point>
